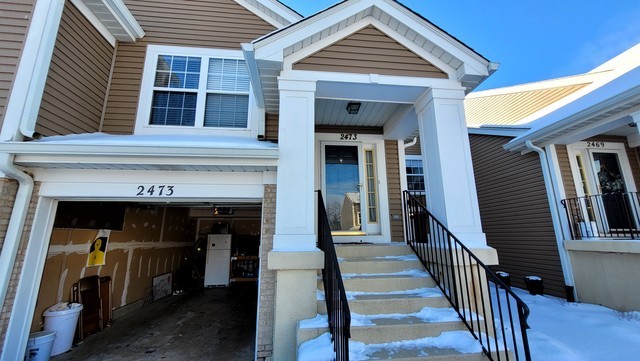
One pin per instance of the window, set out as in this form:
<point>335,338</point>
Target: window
<point>415,175</point>
<point>187,89</point>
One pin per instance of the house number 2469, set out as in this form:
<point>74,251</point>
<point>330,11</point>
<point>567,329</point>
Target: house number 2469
<point>155,190</point>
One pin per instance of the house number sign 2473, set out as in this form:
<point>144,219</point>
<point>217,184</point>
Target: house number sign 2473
<point>160,190</point>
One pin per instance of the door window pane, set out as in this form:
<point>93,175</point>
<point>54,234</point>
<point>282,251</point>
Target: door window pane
<point>342,187</point>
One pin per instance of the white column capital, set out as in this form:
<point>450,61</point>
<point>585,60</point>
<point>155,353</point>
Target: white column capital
<point>285,84</point>
<point>432,94</point>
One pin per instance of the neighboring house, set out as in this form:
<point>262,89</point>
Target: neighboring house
<point>170,114</point>
<point>557,171</point>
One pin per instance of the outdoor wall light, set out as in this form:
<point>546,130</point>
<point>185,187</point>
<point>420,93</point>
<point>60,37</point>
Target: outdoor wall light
<point>353,108</point>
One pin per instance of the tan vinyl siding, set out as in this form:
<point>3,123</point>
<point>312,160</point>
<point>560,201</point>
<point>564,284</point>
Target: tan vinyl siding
<point>510,108</point>
<point>394,190</point>
<point>76,85</point>
<point>221,24</point>
<point>515,212</point>
<point>271,127</point>
<point>14,22</point>
<point>370,51</point>
<point>565,171</point>
<point>414,149</point>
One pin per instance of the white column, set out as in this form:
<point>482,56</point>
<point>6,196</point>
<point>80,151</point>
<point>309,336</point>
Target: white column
<point>446,154</point>
<point>295,257</point>
<point>295,202</point>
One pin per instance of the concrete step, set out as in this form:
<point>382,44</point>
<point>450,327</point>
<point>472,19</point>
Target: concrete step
<point>448,345</point>
<point>361,266</point>
<point>382,283</point>
<point>372,250</point>
<point>389,304</point>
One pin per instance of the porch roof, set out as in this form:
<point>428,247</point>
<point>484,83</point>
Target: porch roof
<point>145,152</point>
<point>606,108</point>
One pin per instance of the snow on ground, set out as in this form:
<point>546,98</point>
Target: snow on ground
<point>563,331</point>
<point>560,331</point>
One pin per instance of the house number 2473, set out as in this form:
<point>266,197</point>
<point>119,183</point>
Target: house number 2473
<point>155,190</point>
<point>348,136</point>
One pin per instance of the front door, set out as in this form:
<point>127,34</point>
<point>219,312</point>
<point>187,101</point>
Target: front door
<point>603,177</point>
<point>350,188</point>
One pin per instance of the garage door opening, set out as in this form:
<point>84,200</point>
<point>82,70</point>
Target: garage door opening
<point>144,272</point>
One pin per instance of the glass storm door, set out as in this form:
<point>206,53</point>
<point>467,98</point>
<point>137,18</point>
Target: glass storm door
<point>343,186</point>
<point>610,183</point>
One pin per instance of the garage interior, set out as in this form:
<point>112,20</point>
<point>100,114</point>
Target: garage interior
<point>156,260</point>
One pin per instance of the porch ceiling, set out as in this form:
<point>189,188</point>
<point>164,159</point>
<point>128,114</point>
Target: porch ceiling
<point>372,114</point>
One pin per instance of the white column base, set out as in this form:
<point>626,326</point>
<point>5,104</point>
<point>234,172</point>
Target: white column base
<point>296,296</point>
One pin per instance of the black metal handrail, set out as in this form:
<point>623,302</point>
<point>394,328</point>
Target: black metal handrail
<point>335,295</point>
<point>466,282</point>
<point>609,215</point>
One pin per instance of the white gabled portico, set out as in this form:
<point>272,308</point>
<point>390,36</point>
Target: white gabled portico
<point>298,79</point>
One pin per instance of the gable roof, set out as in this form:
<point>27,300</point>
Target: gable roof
<point>526,103</point>
<point>430,42</point>
<point>510,105</point>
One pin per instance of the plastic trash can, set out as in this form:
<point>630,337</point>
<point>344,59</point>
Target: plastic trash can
<point>62,318</point>
<point>39,346</point>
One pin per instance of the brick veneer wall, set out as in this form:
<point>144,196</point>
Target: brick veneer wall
<point>17,267</point>
<point>267,291</point>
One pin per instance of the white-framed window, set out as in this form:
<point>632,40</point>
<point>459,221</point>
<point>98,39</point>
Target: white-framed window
<point>415,174</point>
<point>194,91</point>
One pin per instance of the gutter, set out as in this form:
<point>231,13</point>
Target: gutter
<point>16,222</point>
<point>565,262</point>
<point>411,143</point>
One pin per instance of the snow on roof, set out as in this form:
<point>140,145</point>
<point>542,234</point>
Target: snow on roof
<point>608,95</point>
<point>186,141</point>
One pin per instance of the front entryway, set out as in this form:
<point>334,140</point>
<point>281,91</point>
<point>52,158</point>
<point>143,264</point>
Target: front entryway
<point>350,174</point>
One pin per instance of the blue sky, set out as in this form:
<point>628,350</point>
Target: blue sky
<point>531,39</point>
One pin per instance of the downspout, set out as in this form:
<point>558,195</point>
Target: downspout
<point>565,262</point>
<point>16,222</point>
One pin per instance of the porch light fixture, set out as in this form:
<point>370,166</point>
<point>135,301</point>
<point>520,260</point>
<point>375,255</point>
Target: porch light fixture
<point>353,108</point>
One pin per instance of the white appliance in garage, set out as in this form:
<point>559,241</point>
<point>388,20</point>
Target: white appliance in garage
<point>216,272</point>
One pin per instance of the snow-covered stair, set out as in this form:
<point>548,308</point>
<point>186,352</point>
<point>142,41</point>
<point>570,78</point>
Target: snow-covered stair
<point>397,311</point>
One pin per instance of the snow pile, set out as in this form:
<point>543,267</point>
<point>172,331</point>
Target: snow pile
<point>318,349</point>
<point>175,140</point>
<point>319,321</point>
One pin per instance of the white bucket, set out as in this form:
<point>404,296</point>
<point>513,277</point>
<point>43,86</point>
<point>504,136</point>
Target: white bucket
<point>64,323</point>
<point>39,346</point>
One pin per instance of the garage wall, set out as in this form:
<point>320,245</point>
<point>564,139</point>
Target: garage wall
<point>152,242</point>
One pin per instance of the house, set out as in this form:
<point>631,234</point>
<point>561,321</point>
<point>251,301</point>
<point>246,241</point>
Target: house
<point>556,166</point>
<point>165,121</point>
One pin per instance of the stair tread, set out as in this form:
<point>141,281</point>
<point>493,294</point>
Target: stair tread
<point>409,272</point>
<point>425,292</point>
<point>448,343</point>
